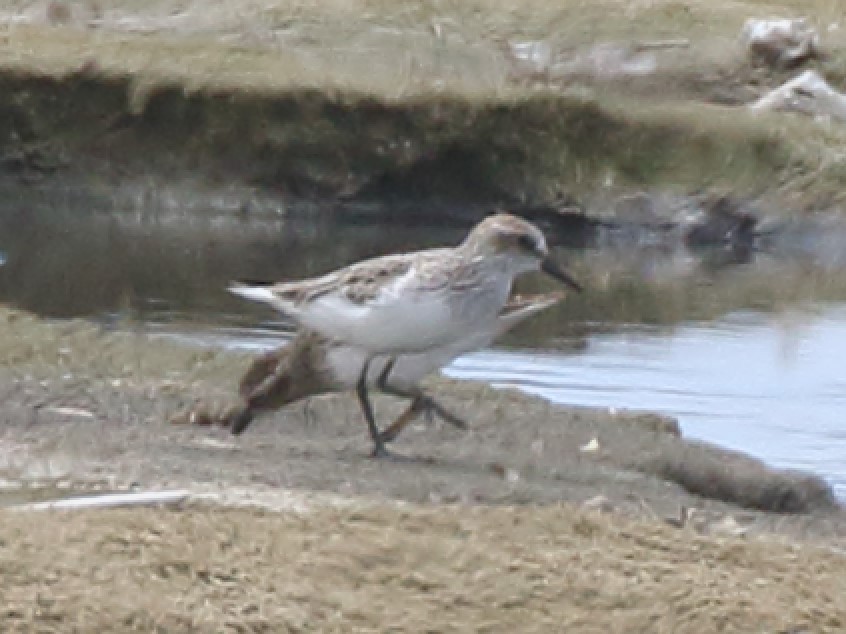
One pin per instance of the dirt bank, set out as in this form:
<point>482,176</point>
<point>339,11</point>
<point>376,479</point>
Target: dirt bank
<point>368,100</point>
<point>69,383</point>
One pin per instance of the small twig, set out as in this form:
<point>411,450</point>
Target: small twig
<point>109,500</point>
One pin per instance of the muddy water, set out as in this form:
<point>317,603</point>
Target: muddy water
<point>746,349</point>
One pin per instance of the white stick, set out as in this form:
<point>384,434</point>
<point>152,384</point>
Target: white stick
<point>109,500</point>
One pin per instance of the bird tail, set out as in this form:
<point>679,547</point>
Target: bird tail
<point>255,293</point>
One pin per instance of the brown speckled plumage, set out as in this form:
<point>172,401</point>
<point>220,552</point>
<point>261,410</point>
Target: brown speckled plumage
<point>454,269</point>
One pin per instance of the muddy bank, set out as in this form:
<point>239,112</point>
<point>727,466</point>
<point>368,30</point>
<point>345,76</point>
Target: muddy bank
<point>537,516</point>
<point>69,383</point>
<point>83,128</point>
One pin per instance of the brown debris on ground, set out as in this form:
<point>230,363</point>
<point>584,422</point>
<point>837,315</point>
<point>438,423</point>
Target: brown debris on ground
<point>699,468</point>
<point>739,479</point>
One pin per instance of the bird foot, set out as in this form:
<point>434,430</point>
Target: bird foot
<point>381,453</point>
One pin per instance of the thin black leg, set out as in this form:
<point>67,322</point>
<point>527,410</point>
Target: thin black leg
<point>367,409</point>
<point>420,401</point>
<point>390,433</point>
<point>386,371</point>
<point>431,405</point>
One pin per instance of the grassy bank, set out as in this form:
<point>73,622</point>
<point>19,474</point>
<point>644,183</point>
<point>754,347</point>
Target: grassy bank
<point>368,100</point>
<point>310,143</point>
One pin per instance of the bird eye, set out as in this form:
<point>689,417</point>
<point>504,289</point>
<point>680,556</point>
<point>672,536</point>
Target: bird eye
<point>526,242</point>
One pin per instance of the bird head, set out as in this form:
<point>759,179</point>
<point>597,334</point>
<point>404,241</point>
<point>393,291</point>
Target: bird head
<point>520,242</point>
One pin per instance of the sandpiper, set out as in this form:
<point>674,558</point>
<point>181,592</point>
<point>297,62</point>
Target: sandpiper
<point>415,302</point>
<point>313,364</point>
<point>412,302</point>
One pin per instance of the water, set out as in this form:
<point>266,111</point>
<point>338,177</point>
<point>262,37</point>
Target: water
<point>745,352</point>
<point>749,381</point>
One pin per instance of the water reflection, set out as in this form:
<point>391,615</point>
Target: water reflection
<point>66,262</point>
<point>169,266</point>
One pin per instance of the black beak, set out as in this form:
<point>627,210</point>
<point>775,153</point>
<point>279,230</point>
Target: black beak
<point>241,419</point>
<point>551,268</point>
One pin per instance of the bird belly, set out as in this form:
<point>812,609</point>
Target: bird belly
<point>346,363</point>
<point>408,370</point>
<point>389,328</point>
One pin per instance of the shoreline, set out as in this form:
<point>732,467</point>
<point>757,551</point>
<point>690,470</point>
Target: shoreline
<point>72,379</point>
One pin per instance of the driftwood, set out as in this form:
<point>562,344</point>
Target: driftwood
<point>809,94</point>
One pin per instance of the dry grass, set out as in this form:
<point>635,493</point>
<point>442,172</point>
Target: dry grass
<point>442,569</point>
<point>372,46</point>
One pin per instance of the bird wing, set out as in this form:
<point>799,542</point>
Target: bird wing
<point>358,283</point>
<point>382,279</point>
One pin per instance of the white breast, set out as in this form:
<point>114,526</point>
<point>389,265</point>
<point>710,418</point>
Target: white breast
<point>346,363</point>
<point>409,369</point>
<point>409,323</point>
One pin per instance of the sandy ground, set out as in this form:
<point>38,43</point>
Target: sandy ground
<point>388,569</point>
<point>485,530</point>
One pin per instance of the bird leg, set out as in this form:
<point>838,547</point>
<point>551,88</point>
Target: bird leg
<point>393,430</point>
<point>420,403</point>
<point>379,450</point>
